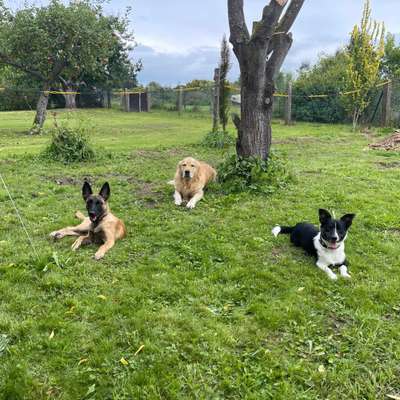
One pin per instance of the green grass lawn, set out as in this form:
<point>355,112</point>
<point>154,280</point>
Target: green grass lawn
<point>223,309</point>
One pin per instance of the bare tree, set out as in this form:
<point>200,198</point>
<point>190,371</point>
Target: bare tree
<point>260,57</point>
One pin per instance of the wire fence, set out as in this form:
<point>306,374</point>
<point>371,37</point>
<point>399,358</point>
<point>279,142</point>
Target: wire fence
<point>310,107</point>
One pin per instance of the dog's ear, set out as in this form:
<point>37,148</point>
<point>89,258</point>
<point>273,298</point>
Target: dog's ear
<point>105,191</point>
<point>348,219</point>
<point>324,216</point>
<point>86,190</point>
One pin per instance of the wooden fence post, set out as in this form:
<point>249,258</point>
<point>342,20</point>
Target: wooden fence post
<point>126,104</point>
<point>387,105</point>
<point>148,102</point>
<point>109,98</point>
<point>288,105</point>
<point>180,100</point>
<point>217,78</point>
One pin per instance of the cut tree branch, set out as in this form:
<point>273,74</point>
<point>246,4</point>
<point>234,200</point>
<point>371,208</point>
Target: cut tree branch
<point>237,23</point>
<point>280,51</point>
<point>287,21</point>
<point>262,30</point>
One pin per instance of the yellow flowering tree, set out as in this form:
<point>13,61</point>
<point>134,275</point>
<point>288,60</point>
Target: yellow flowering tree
<point>365,54</point>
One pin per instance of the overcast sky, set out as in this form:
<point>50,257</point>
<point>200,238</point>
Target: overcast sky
<point>178,40</point>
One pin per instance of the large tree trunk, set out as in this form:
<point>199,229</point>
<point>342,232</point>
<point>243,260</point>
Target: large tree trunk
<point>41,109</point>
<point>260,57</point>
<point>70,99</point>
<point>254,126</point>
<point>70,87</point>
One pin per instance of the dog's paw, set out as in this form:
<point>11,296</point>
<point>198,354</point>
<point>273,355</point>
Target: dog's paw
<point>98,256</point>
<point>75,246</point>
<point>178,202</point>
<point>332,275</point>
<point>190,205</point>
<point>343,272</point>
<point>56,235</point>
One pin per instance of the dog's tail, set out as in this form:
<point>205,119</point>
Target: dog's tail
<point>282,230</point>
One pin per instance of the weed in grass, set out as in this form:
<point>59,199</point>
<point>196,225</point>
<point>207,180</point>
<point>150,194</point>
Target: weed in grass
<point>238,174</point>
<point>70,144</point>
<point>218,140</point>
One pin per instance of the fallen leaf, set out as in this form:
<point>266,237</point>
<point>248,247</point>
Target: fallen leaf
<point>321,369</point>
<point>100,296</point>
<point>139,349</point>
<point>393,396</point>
<point>83,360</point>
<point>300,289</point>
<point>51,335</point>
<point>123,361</point>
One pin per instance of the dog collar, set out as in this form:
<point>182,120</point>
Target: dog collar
<point>99,219</point>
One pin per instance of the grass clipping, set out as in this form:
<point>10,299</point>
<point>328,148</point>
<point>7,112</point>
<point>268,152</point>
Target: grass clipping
<point>70,144</point>
<point>392,143</point>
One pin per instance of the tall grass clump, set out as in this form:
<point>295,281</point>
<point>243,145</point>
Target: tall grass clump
<point>69,143</point>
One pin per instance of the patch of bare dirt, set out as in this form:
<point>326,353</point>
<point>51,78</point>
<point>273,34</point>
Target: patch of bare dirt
<point>391,143</point>
<point>69,180</point>
<point>154,154</point>
<point>393,231</point>
<point>6,161</point>
<point>147,192</point>
<point>337,323</point>
<point>66,180</point>
<point>388,165</point>
<point>296,140</point>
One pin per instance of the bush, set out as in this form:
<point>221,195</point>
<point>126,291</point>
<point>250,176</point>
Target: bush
<point>218,140</point>
<point>325,77</point>
<point>70,145</point>
<point>238,174</point>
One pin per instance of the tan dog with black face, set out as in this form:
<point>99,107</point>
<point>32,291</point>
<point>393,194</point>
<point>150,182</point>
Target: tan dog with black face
<point>100,227</point>
<point>191,178</point>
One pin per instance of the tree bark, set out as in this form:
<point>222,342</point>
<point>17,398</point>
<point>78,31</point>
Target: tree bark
<point>254,126</point>
<point>41,109</point>
<point>70,99</point>
<point>260,57</point>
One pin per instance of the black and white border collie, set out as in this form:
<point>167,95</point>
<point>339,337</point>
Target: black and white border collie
<point>326,244</point>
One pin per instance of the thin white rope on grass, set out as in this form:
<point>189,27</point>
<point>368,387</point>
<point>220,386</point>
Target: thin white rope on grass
<point>19,217</point>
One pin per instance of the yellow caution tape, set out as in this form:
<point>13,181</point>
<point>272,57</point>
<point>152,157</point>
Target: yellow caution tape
<point>57,92</point>
<point>140,91</point>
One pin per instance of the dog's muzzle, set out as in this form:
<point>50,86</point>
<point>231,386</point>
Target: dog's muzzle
<point>186,174</point>
<point>92,216</point>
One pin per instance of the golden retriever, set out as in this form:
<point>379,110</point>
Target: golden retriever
<point>191,178</point>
